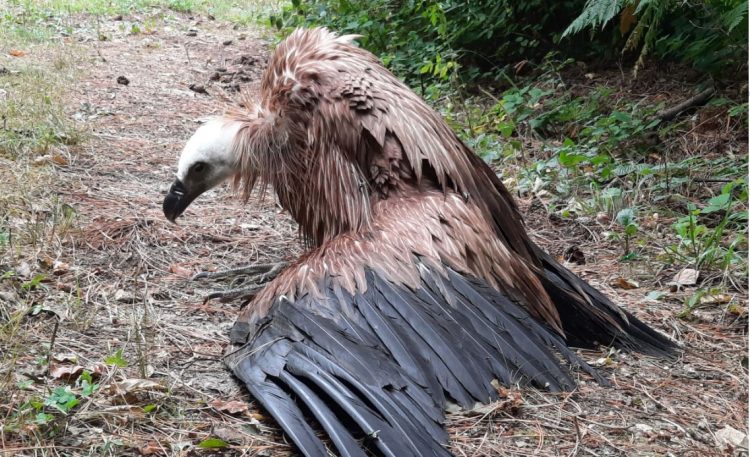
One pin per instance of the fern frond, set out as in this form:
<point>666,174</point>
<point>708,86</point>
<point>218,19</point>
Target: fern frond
<point>596,13</point>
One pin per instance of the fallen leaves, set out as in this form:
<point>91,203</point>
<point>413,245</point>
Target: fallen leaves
<point>686,277</point>
<point>17,53</point>
<point>625,283</point>
<point>715,299</point>
<point>134,390</point>
<point>152,448</point>
<point>180,271</point>
<point>55,159</point>
<point>67,368</point>
<point>230,407</point>
<point>66,372</point>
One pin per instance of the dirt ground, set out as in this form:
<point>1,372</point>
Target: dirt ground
<point>120,281</point>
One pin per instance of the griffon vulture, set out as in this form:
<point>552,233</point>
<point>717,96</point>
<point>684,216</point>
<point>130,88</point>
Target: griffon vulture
<point>421,285</point>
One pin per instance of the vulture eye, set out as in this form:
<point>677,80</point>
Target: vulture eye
<point>199,167</point>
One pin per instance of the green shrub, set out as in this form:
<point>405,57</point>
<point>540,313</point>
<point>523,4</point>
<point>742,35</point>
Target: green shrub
<point>428,38</point>
<point>711,35</point>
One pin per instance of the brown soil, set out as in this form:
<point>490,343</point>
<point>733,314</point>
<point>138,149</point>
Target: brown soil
<point>129,270</point>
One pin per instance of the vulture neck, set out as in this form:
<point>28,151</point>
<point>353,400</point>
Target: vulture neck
<point>325,193</point>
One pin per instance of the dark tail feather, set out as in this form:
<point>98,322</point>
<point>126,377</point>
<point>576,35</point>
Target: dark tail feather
<point>589,318</point>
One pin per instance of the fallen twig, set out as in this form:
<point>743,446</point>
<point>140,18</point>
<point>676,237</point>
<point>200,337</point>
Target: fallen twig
<point>697,100</point>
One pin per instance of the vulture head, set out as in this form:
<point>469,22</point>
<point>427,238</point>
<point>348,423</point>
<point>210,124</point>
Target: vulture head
<point>207,160</point>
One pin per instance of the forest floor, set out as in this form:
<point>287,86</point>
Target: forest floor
<point>106,347</point>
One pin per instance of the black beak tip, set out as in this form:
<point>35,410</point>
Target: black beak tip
<point>175,201</point>
<point>171,202</point>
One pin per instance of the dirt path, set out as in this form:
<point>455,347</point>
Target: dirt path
<point>131,265</point>
<point>126,288</point>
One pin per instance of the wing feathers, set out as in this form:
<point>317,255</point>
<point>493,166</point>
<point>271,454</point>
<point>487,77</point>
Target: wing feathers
<point>341,437</point>
<point>374,368</point>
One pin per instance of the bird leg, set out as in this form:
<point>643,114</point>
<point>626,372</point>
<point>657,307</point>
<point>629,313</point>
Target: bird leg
<point>246,281</point>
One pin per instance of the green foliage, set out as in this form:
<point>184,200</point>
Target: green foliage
<point>149,408</point>
<point>116,359</point>
<point>709,34</point>
<point>87,384</point>
<point>62,399</point>
<point>626,218</point>
<point>596,13</point>
<point>595,134</point>
<point>434,39</point>
<point>598,154</point>
<point>706,247</point>
<point>34,282</point>
<point>213,443</point>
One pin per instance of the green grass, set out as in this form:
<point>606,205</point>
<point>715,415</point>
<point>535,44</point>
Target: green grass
<point>37,20</point>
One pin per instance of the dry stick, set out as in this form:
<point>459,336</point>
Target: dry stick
<point>697,100</point>
<point>187,54</point>
<point>52,343</point>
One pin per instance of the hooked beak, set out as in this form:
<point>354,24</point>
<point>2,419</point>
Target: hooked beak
<point>178,199</point>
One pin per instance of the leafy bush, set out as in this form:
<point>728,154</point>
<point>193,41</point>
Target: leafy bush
<point>704,246</point>
<point>709,34</point>
<point>430,39</point>
<point>434,38</point>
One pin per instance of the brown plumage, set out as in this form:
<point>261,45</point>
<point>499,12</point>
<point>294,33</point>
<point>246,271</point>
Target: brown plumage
<point>420,282</point>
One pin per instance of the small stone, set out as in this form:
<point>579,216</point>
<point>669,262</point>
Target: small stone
<point>192,32</point>
<point>686,277</point>
<point>227,42</point>
<point>23,270</point>
<point>730,436</point>
<point>197,88</point>
<point>123,80</point>
<point>642,428</point>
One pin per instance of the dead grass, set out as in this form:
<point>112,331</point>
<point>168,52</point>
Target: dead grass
<point>115,279</point>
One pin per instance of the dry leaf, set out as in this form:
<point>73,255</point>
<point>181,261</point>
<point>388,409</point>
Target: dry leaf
<point>65,358</point>
<point>686,277</point>
<point>737,310</point>
<point>230,407</point>
<point>258,417</point>
<point>135,390</point>
<point>152,448</point>
<point>229,435</point>
<point>60,268</point>
<point>47,261</point>
<point>602,362</point>
<point>125,297</point>
<point>97,370</point>
<point>180,271</point>
<point>66,372</point>
<point>512,403</point>
<point>627,19</point>
<point>59,159</point>
<point>624,283</point>
<point>715,299</point>
<point>41,160</point>
<point>17,53</point>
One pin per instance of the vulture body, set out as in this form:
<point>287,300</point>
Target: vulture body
<point>421,285</point>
